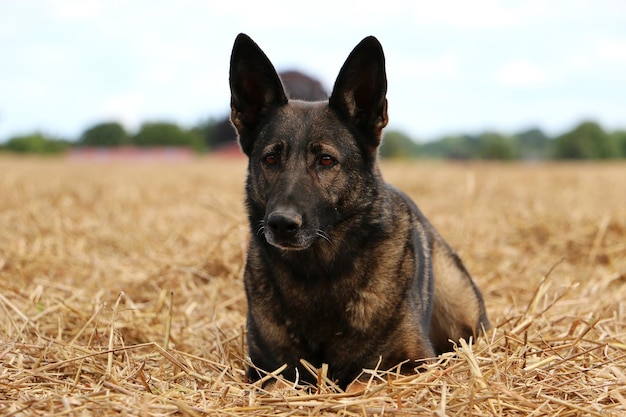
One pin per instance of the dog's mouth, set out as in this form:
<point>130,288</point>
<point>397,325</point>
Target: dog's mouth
<point>289,245</point>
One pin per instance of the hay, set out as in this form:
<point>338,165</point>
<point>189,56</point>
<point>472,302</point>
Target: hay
<point>120,292</point>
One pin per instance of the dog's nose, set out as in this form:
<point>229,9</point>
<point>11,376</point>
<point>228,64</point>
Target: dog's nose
<point>284,224</point>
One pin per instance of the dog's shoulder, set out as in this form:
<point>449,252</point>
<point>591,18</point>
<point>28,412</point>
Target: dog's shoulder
<point>399,200</point>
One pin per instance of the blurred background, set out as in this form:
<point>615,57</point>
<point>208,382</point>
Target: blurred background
<point>484,79</point>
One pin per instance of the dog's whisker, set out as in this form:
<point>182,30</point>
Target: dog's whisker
<point>323,235</point>
<point>261,229</point>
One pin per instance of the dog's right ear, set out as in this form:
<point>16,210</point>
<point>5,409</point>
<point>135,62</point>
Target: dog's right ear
<point>360,90</point>
<point>255,88</point>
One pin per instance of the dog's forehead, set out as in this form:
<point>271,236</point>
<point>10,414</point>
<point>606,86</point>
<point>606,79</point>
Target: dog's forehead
<point>300,115</point>
<point>304,122</point>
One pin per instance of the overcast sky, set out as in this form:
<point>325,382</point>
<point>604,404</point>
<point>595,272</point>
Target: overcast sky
<point>453,66</point>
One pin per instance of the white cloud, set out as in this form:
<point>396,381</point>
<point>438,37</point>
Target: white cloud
<point>521,73</point>
<point>125,107</point>
<point>77,9</point>
<point>441,67</point>
<point>478,13</point>
<point>613,50</point>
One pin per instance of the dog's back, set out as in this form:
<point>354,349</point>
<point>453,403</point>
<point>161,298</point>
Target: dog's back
<point>342,268</point>
<point>458,307</point>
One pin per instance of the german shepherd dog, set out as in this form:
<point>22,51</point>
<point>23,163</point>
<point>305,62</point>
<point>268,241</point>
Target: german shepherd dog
<point>342,268</point>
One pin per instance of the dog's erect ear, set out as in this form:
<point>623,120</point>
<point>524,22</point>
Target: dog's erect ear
<point>255,87</point>
<point>360,89</point>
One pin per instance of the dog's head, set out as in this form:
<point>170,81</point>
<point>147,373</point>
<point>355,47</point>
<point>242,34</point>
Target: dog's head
<point>311,165</point>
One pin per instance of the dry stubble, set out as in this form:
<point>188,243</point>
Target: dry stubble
<point>120,290</point>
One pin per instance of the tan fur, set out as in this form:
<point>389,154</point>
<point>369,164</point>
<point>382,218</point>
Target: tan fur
<point>456,310</point>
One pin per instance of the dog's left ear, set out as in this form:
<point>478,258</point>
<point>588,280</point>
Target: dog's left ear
<point>255,88</point>
<point>360,89</point>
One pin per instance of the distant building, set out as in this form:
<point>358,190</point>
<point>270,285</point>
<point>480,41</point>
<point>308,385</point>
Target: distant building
<point>298,86</point>
<point>131,154</point>
<point>302,87</point>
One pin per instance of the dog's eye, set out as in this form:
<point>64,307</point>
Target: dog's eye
<point>326,160</point>
<point>271,159</point>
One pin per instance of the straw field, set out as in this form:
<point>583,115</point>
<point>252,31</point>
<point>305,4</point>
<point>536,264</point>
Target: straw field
<point>121,293</point>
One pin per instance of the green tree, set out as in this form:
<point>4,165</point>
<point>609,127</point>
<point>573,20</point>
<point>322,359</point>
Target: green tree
<point>207,130</point>
<point>36,143</point>
<point>105,134</point>
<point>495,146</point>
<point>586,141</point>
<point>533,144</point>
<point>618,139</point>
<point>398,145</point>
<point>167,134</point>
<point>453,147</point>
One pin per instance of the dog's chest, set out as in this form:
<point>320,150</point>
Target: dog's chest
<point>327,310</point>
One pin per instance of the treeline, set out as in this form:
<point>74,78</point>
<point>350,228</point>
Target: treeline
<point>586,141</point>
<point>112,134</point>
